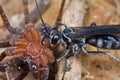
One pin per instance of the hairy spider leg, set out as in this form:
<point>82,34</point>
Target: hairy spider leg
<point>18,50</point>
<point>5,20</point>
<point>7,24</point>
<point>11,29</point>
<point>10,62</point>
<point>4,44</point>
<point>21,45</point>
<point>4,67</point>
<point>60,11</point>
<point>22,75</point>
<point>32,34</point>
<point>26,11</point>
<point>4,17</point>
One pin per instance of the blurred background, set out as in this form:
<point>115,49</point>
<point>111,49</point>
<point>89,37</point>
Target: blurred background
<point>102,12</point>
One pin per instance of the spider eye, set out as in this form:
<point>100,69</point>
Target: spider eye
<point>55,39</point>
<point>46,42</point>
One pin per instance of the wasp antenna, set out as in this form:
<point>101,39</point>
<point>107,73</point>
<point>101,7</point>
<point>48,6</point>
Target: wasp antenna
<point>26,11</point>
<point>41,16</point>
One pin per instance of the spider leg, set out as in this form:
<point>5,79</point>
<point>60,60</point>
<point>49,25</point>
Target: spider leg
<point>22,75</point>
<point>33,33</point>
<point>60,11</point>
<point>3,67</point>
<point>15,51</point>
<point>2,56</point>
<point>28,36</point>
<point>44,72</point>
<point>26,11</point>
<point>4,17</point>
<point>7,24</point>
<point>11,52</point>
<point>28,33</point>
<point>49,55</point>
<point>33,68</point>
<point>22,43</point>
<point>63,54</point>
<point>4,44</point>
<point>42,63</point>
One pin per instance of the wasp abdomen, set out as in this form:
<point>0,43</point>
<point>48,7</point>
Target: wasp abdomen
<point>104,41</point>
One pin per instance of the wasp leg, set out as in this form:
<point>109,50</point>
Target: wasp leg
<point>65,69</point>
<point>60,23</point>
<point>113,57</point>
<point>99,52</point>
<point>75,50</point>
<point>63,55</point>
<point>22,75</point>
<point>84,50</point>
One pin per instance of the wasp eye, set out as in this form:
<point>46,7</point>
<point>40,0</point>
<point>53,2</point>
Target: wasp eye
<point>55,39</point>
<point>46,42</point>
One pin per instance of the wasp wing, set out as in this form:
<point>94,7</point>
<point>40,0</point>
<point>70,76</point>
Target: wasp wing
<point>94,30</point>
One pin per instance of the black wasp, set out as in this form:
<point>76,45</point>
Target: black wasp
<point>75,39</point>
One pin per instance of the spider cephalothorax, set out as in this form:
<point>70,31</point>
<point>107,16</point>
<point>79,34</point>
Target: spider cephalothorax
<point>29,47</point>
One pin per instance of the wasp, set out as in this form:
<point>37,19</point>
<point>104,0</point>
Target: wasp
<point>30,52</point>
<point>75,38</point>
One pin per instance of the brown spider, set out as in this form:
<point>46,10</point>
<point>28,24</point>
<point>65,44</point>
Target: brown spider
<point>30,46</point>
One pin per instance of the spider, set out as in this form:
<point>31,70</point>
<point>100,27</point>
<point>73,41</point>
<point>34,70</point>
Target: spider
<point>30,46</point>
